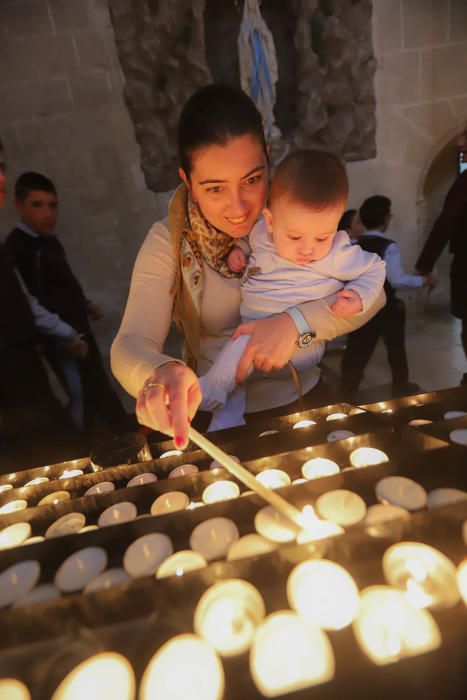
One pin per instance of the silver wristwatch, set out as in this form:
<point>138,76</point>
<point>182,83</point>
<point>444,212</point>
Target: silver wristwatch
<point>305,334</point>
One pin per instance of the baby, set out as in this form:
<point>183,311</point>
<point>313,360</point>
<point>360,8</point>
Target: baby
<point>296,256</point>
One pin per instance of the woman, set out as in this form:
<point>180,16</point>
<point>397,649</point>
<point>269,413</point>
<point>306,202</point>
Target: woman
<point>181,273</point>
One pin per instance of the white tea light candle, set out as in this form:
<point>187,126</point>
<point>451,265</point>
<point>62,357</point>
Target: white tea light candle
<point>367,456</point>
<point>38,480</point>
<point>213,537</point>
<point>183,470</point>
<point>324,593</point>
<point>273,478</point>
<point>223,490</point>
<point>318,467</point>
<point>180,562</point>
<point>288,654</point>
<point>303,424</point>
<point>339,435</point>
<point>12,689</point>
<point>101,487</point>
<point>274,526</point>
<point>171,453</point>
<point>459,436</point>
<point>14,535</point>
<point>454,414</point>
<point>462,579</point>
<point>427,577</point>
<point>185,667</point>
<point>401,491</point>
<point>228,614</point>
<point>54,498</point>
<point>106,675</point>
<point>13,506</point>
<point>336,416</point>
<point>249,546</point>
<point>341,506</point>
<point>170,502</point>
<point>444,497</point>
<point>141,479</point>
<point>118,513</point>
<point>389,628</point>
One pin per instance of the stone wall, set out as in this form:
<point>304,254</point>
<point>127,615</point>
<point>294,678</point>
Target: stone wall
<point>421,91</point>
<point>63,112</point>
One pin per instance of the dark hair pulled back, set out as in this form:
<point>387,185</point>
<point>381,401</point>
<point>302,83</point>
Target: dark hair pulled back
<point>212,116</point>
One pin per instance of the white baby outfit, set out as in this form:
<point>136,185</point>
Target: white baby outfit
<point>272,285</point>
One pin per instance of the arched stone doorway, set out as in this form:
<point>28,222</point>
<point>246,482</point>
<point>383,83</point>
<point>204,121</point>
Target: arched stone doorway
<point>436,178</point>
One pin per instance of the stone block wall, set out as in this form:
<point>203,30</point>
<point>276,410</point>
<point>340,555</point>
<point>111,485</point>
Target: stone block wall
<point>62,113</point>
<point>421,95</point>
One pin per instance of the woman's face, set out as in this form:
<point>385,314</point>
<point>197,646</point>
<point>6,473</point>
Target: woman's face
<point>230,184</point>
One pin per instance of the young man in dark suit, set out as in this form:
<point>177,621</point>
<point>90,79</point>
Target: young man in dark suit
<point>41,260</point>
<point>451,226</point>
<point>34,427</point>
<point>389,323</point>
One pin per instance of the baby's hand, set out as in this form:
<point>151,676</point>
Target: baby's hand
<point>236,259</point>
<point>348,303</point>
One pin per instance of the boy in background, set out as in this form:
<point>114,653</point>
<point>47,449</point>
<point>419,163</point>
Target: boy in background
<point>389,323</point>
<point>41,260</point>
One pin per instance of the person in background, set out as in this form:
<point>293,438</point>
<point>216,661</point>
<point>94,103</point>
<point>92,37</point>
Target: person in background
<point>41,260</point>
<point>350,222</point>
<point>389,323</point>
<point>34,427</point>
<point>451,226</point>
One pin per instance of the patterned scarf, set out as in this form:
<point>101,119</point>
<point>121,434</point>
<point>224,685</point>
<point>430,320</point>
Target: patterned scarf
<point>208,244</point>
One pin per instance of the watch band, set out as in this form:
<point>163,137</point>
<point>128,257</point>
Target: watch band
<point>305,334</point>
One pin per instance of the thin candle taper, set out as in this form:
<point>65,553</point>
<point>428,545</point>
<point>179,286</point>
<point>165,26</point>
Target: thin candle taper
<point>284,507</point>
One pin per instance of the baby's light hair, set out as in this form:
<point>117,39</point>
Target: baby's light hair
<point>314,179</point>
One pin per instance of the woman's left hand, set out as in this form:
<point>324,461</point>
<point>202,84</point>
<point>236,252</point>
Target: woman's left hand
<point>271,346</point>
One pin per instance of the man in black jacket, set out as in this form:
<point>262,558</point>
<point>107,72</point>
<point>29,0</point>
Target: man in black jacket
<point>34,428</point>
<point>41,260</point>
<point>451,227</point>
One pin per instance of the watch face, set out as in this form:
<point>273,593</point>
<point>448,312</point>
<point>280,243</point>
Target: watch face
<point>305,339</point>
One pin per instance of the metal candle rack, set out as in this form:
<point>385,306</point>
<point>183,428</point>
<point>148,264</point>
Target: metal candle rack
<point>248,447</point>
<point>137,617</point>
<point>45,641</point>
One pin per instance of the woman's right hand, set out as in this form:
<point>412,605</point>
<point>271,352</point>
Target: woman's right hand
<point>169,400</point>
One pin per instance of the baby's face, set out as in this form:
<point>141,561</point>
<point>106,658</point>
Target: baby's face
<point>301,234</point>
